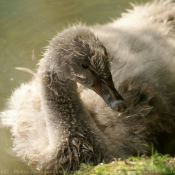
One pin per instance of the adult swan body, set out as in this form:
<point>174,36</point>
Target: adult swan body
<point>55,126</point>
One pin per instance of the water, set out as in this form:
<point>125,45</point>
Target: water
<point>25,28</point>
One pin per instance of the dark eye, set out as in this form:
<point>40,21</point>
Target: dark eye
<point>142,98</point>
<point>84,66</point>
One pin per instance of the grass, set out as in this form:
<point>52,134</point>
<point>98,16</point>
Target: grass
<point>156,164</point>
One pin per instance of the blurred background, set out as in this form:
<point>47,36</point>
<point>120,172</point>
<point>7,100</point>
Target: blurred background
<point>25,28</point>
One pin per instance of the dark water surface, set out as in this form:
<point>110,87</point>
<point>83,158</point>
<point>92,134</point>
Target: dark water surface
<point>25,28</point>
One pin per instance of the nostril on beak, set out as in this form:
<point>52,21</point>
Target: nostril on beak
<point>105,91</point>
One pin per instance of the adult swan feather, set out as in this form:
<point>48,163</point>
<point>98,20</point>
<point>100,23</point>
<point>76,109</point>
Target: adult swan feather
<point>57,127</point>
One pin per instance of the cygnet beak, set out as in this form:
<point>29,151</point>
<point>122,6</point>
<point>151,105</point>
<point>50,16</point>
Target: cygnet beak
<point>105,88</point>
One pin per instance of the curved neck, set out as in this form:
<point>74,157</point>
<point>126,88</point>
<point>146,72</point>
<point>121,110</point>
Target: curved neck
<point>68,123</point>
<point>62,107</point>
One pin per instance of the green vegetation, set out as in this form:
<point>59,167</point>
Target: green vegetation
<point>156,164</point>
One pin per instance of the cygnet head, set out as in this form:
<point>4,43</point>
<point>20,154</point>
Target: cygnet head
<point>77,54</point>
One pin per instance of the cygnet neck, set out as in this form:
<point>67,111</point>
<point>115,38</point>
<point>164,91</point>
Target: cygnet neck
<point>68,124</point>
<point>64,108</point>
